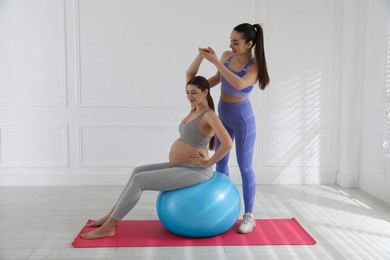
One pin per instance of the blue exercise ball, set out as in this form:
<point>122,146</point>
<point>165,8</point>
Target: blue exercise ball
<point>203,210</point>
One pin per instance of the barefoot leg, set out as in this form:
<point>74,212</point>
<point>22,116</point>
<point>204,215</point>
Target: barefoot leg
<point>106,230</point>
<point>102,220</point>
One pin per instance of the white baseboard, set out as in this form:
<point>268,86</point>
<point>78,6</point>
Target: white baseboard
<point>378,189</point>
<point>347,181</point>
<point>60,179</point>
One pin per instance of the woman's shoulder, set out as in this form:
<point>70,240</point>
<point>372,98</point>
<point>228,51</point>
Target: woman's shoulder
<point>210,115</point>
<point>225,55</point>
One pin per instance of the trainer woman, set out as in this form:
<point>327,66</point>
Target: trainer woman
<point>238,70</point>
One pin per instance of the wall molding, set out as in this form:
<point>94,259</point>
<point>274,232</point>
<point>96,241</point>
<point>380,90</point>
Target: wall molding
<point>63,82</point>
<point>81,160</point>
<point>303,160</point>
<point>65,151</point>
<point>79,97</point>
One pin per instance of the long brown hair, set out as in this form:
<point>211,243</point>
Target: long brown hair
<point>203,84</point>
<point>254,33</point>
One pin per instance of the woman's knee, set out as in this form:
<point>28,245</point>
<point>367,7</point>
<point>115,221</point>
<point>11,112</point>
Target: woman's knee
<point>137,169</point>
<point>141,168</point>
<point>246,169</point>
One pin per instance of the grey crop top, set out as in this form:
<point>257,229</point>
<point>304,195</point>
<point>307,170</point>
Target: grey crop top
<point>190,134</point>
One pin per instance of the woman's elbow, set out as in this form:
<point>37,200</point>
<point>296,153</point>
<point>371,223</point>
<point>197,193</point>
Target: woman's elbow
<point>229,144</point>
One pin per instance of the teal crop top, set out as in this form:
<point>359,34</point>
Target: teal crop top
<point>190,134</point>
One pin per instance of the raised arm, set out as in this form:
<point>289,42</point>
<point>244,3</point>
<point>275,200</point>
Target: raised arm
<point>216,79</point>
<point>239,83</point>
<point>194,67</point>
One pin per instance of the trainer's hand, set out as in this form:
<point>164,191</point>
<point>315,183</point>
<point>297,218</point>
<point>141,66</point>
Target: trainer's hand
<point>209,54</point>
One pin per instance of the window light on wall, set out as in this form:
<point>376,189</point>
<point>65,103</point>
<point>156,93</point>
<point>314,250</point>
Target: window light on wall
<point>386,141</point>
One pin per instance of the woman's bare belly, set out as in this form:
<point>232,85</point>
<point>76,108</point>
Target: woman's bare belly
<point>229,99</point>
<point>180,152</point>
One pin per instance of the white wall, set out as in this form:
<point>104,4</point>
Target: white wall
<point>297,115</point>
<point>351,70</point>
<point>90,89</point>
<point>375,169</point>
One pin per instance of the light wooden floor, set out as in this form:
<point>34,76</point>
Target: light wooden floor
<point>41,222</point>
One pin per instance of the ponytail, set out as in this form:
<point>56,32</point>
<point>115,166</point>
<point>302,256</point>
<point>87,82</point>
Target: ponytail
<point>254,33</point>
<point>210,102</point>
<point>262,73</point>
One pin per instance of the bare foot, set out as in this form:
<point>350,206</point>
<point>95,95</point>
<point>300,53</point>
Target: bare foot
<point>106,230</point>
<point>102,220</point>
<point>98,222</point>
<point>99,233</point>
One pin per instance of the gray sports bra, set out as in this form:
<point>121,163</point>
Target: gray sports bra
<point>190,134</point>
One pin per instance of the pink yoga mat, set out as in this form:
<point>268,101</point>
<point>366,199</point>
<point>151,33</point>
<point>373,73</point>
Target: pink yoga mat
<point>151,233</point>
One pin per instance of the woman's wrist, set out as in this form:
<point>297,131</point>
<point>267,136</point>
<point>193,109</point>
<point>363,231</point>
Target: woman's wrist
<point>218,64</point>
<point>200,56</point>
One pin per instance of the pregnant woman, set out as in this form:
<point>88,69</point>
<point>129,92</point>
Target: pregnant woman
<point>189,161</point>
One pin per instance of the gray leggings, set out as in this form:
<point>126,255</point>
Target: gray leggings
<point>157,177</point>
